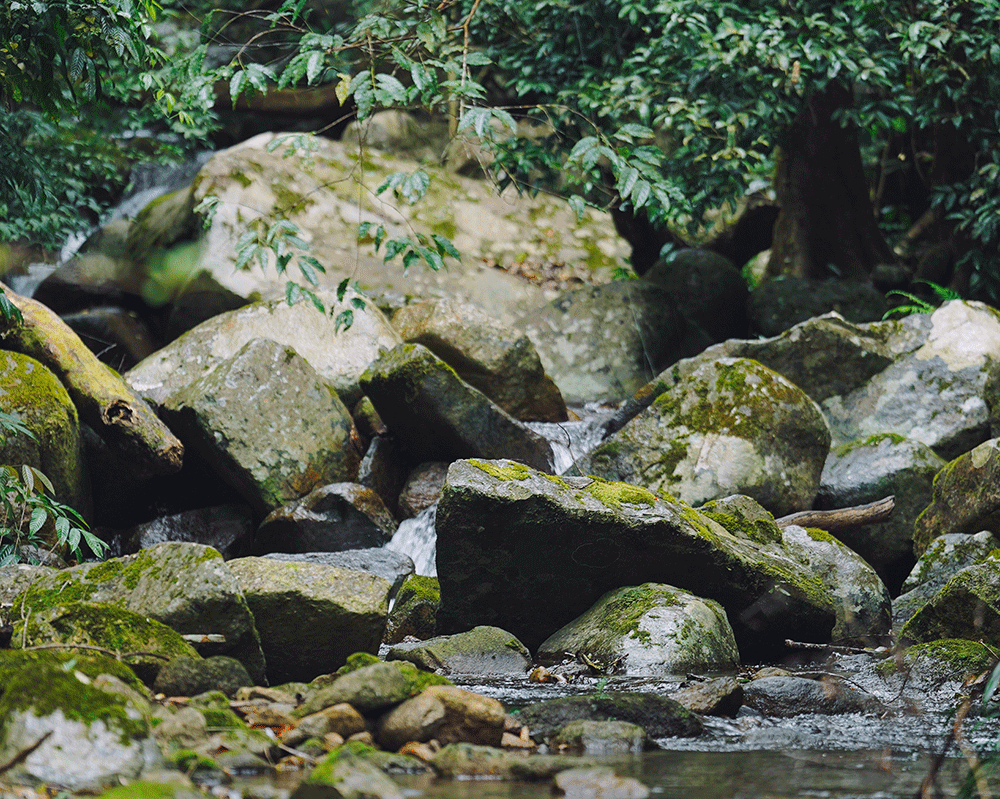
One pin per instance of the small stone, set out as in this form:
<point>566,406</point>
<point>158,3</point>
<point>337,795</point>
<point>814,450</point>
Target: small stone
<point>598,783</point>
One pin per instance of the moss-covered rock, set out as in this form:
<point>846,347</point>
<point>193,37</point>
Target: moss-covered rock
<point>371,688</point>
<point>649,630</point>
<point>187,587</point>
<point>967,607</point>
<point>29,391</point>
<point>142,642</point>
<point>415,610</point>
<point>727,426</point>
<point>966,497</point>
<point>88,712</point>
<point>348,773</point>
<point>481,650</point>
<point>511,540</point>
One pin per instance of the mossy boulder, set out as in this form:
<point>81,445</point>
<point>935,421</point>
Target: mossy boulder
<point>29,391</point>
<point>966,497</point>
<point>187,587</point>
<point>347,772</point>
<point>940,661</point>
<point>311,616</point>
<point>87,713</point>
<point>945,557</point>
<point>438,416</point>
<point>238,418</point>
<point>512,540</point>
<point>728,426</point>
<point>371,688</point>
<point>415,610</point>
<point>967,607</point>
<point>496,359</point>
<point>187,676</point>
<point>481,651</point>
<point>143,642</point>
<point>648,630</point>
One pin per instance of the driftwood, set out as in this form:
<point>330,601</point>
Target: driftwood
<point>840,518</point>
<point>144,446</point>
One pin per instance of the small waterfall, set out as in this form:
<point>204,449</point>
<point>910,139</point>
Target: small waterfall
<point>416,537</point>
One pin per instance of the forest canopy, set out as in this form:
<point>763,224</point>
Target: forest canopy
<point>871,129</point>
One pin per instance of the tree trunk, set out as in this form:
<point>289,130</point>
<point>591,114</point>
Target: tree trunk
<point>826,227</point>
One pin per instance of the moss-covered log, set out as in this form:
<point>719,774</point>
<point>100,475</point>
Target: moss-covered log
<point>130,427</point>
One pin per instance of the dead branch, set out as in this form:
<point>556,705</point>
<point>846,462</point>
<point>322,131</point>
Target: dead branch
<point>840,518</point>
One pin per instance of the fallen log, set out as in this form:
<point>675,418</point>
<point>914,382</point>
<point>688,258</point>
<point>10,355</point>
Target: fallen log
<point>840,518</point>
<point>142,443</point>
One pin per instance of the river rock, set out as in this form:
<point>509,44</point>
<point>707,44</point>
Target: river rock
<point>187,676</point>
<point>384,468</point>
<point>722,427</point>
<point>86,714</point>
<point>866,471</point>
<point>659,716</point>
<point>310,616</point>
<point>438,416</point>
<point>469,762</point>
<point>967,607</point>
<point>339,356</point>
<point>342,719</point>
<point>394,567</point>
<point>226,528</point>
<point>416,719</point>
<point>784,697</point>
<point>651,631</point>
<point>966,497</point>
<point>722,696</point>
<point>331,518</point>
<point>776,305</point>
<point>864,608</point>
<point>598,782</point>
<point>36,397</point>
<point>702,282</point>
<point>414,612</point>
<point>934,394</point>
<point>945,557</point>
<point>347,774</point>
<point>499,361</point>
<point>371,688</point>
<point>607,341</point>
<point>510,537</point>
<point>149,643</point>
<point>730,426</point>
<point>601,738</point>
<point>187,587</point>
<point>422,488</point>
<point>238,418</point>
<point>480,651</point>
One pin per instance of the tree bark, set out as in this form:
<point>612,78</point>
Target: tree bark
<point>129,426</point>
<point>826,226</point>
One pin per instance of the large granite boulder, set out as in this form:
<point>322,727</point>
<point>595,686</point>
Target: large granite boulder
<point>187,587</point>
<point>719,427</point>
<point>268,424</point>
<point>648,631</point>
<point>780,303</point>
<point>512,540</point>
<point>438,416</point>
<point>492,357</point>
<point>339,356</point>
<point>311,616</point>
<point>866,471</point>
<point>966,497</point>
<point>605,342</point>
